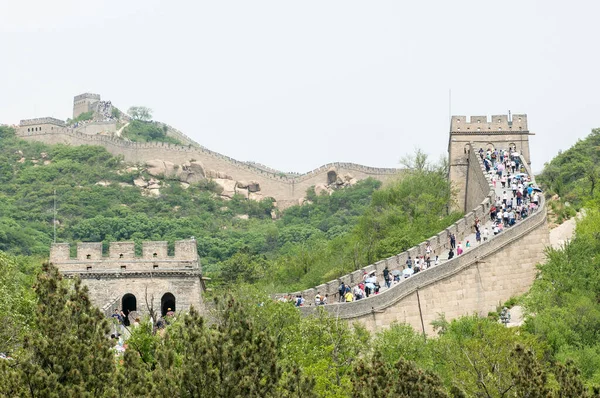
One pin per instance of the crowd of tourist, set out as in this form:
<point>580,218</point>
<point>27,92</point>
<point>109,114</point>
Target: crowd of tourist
<point>516,198</point>
<point>103,112</point>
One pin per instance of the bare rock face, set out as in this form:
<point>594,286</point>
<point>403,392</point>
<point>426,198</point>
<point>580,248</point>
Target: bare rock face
<point>242,184</point>
<point>156,167</point>
<point>228,186</point>
<point>170,169</point>
<point>243,192</point>
<point>321,189</point>
<point>140,182</point>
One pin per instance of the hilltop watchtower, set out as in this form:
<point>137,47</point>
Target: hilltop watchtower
<point>501,132</point>
<point>83,103</point>
<point>123,280</point>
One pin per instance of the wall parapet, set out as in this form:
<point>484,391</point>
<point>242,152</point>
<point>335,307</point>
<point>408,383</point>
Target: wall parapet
<point>42,120</point>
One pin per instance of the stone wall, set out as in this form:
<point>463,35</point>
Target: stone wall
<point>98,127</point>
<point>148,277</point>
<point>478,281</point>
<point>285,189</point>
<point>148,289</point>
<point>477,182</point>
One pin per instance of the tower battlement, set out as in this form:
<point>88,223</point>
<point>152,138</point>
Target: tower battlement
<point>91,96</point>
<point>82,103</point>
<point>483,124</point>
<point>122,258</point>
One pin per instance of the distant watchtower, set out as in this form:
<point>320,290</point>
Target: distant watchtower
<point>501,132</point>
<point>82,103</point>
<point>123,281</point>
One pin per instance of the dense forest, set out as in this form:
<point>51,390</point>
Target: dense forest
<point>250,345</point>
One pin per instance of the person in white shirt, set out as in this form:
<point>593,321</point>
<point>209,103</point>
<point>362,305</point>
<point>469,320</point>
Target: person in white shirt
<point>486,234</point>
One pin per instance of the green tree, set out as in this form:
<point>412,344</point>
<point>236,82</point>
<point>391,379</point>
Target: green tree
<point>376,378</point>
<point>66,353</point>
<point>140,113</point>
<point>530,379</point>
<point>228,359</point>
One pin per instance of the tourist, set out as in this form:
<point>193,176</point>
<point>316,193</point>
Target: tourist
<point>451,254</point>
<point>386,277</point>
<point>349,297</point>
<point>318,298</point>
<point>325,299</point>
<point>342,291</point>
<point>486,234</point>
<point>496,229</point>
<point>478,236</point>
<point>459,250</point>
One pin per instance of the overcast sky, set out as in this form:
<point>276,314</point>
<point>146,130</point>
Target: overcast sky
<point>296,84</point>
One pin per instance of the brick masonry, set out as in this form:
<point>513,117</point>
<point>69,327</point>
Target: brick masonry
<point>150,278</point>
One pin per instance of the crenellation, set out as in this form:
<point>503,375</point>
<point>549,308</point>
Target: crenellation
<point>87,96</point>
<point>155,250</point>
<point>122,250</point>
<point>42,120</point>
<point>89,251</point>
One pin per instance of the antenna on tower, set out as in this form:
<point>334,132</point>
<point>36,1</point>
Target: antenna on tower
<point>54,218</point>
<point>450,105</point>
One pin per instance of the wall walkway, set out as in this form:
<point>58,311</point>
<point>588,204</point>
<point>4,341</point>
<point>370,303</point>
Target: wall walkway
<point>478,281</point>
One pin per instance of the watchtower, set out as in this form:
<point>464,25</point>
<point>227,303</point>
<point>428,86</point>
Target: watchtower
<point>131,283</point>
<point>82,103</point>
<point>501,132</point>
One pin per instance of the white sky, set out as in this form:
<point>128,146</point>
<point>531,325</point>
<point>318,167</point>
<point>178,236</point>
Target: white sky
<point>296,84</point>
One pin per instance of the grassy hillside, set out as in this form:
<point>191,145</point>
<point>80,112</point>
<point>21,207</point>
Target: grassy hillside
<point>573,176</point>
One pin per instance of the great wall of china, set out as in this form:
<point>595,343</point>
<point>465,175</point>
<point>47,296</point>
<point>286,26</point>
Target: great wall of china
<point>478,281</point>
<point>286,188</point>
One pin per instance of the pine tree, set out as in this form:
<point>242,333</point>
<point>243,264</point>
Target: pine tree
<point>67,353</point>
<point>569,379</point>
<point>530,379</point>
<point>378,379</point>
<point>231,358</point>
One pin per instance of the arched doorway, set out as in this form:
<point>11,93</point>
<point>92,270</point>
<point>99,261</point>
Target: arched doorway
<point>331,177</point>
<point>128,303</point>
<point>167,301</point>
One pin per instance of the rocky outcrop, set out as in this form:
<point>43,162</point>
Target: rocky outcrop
<point>227,186</point>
